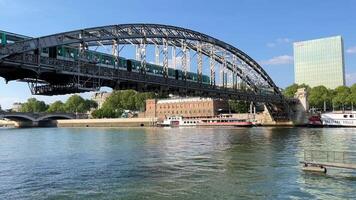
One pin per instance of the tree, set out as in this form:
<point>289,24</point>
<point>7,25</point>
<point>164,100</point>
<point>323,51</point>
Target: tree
<point>119,101</point>
<point>292,89</point>
<point>352,97</point>
<point>56,107</point>
<point>33,105</point>
<point>76,104</point>
<point>107,112</point>
<point>239,106</point>
<point>342,96</point>
<point>318,96</point>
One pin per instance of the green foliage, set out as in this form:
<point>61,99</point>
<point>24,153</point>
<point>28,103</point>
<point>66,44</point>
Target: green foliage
<point>106,112</point>
<point>33,105</point>
<point>122,100</point>
<point>318,95</point>
<point>342,96</point>
<point>238,106</point>
<point>292,89</point>
<point>56,107</point>
<point>76,104</point>
<point>352,97</point>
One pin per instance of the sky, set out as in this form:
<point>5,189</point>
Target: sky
<point>263,29</point>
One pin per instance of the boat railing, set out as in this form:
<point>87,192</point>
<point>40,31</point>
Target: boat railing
<point>342,157</point>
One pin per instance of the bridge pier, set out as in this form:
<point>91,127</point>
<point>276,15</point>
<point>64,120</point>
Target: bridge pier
<point>33,124</point>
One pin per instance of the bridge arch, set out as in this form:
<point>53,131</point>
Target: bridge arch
<point>234,60</point>
<point>55,117</point>
<point>20,117</point>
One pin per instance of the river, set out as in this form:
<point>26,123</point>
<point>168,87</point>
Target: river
<point>170,163</point>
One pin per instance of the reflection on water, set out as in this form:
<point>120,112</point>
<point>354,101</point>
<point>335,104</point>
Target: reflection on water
<point>170,163</point>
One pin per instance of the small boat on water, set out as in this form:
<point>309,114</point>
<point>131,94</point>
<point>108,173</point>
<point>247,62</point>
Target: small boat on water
<point>217,121</point>
<point>339,119</point>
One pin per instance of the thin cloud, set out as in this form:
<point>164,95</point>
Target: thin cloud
<point>351,50</point>
<point>279,60</point>
<point>279,41</point>
<point>350,78</point>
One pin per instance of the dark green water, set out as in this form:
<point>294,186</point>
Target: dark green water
<point>157,163</point>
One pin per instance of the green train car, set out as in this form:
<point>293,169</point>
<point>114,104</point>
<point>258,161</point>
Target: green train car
<point>107,60</point>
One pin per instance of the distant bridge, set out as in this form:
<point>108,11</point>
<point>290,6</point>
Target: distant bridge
<point>35,119</point>
<point>76,61</point>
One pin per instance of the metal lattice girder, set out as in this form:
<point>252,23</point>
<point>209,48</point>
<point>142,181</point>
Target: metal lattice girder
<point>184,59</point>
<point>248,69</point>
<point>143,55</point>
<point>174,58</point>
<point>200,63</point>
<point>212,65</point>
<point>165,58</point>
<point>157,54</point>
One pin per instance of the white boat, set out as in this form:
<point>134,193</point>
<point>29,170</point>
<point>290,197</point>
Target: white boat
<point>214,121</point>
<point>339,119</point>
<point>179,121</point>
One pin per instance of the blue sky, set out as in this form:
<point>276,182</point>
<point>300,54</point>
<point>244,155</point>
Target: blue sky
<point>264,29</point>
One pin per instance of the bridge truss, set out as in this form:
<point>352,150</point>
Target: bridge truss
<point>49,76</point>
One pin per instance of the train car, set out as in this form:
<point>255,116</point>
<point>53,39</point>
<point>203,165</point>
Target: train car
<point>3,39</point>
<point>206,79</point>
<point>67,53</point>
<point>107,60</point>
<point>122,63</point>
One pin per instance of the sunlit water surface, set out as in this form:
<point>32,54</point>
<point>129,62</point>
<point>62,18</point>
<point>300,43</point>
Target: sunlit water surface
<point>170,163</point>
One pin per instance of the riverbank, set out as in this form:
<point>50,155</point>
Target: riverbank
<point>5,123</point>
<point>119,122</point>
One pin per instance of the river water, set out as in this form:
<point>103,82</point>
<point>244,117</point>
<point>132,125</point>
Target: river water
<point>170,163</point>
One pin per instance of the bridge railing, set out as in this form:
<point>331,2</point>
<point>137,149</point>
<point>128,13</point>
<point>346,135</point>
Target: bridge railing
<point>344,157</point>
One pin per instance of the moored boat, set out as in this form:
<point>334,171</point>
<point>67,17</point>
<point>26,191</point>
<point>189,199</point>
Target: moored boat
<point>315,121</point>
<point>232,122</point>
<point>339,119</point>
<point>221,121</point>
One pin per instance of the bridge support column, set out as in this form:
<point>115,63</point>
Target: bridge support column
<point>200,63</point>
<point>165,58</point>
<point>26,124</point>
<point>174,60</point>
<point>212,66</point>
<point>184,60</point>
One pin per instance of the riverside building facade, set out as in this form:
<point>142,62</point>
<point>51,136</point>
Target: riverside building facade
<point>186,107</point>
<point>320,62</point>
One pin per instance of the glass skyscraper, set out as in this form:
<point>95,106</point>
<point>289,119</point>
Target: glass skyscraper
<point>320,62</point>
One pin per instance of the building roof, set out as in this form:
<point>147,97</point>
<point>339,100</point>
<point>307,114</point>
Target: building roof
<point>181,100</point>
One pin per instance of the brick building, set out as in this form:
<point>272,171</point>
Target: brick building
<point>186,107</point>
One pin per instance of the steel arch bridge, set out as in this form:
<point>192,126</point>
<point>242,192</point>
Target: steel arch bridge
<point>39,62</point>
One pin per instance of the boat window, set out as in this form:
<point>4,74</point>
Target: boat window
<point>351,116</point>
<point>345,116</point>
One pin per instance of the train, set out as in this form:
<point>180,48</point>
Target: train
<point>109,61</point>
